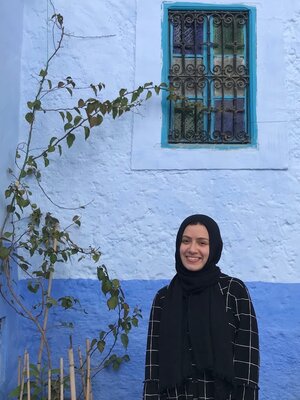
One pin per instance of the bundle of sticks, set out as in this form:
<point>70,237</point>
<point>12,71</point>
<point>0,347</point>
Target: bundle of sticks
<point>25,381</point>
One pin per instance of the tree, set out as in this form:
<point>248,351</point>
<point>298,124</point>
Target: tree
<point>32,239</point>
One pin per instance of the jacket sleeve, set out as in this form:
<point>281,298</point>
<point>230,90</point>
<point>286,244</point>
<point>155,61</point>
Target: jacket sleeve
<point>151,383</point>
<point>246,343</point>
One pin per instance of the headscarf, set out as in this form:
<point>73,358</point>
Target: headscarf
<point>194,315</point>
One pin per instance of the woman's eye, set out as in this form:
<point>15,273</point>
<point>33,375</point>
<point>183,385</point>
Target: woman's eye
<point>185,241</point>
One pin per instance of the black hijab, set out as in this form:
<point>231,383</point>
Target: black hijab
<point>194,304</point>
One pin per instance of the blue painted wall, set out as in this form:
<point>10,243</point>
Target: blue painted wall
<point>278,317</point>
<point>11,31</point>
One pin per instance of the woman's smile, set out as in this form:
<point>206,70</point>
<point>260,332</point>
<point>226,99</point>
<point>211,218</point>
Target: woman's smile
<point>194,247</point>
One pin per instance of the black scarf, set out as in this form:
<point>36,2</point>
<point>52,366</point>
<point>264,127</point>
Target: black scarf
<point>194,302</point>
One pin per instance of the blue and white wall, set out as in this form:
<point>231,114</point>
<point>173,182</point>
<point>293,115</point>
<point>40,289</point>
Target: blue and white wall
<point>140,193</point>
<point>11,32</point>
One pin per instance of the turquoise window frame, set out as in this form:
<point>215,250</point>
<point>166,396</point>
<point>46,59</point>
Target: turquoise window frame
<point>251,106</point>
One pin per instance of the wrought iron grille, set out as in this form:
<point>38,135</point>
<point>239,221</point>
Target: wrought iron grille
<point>209,69</point>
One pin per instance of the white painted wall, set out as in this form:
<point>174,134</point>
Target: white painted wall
<point>134,212</point>
<point>10,50</point>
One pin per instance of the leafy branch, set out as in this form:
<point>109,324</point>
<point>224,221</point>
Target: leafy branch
<point>32,240</point>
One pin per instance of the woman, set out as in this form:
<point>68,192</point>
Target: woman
<point>202,339</point>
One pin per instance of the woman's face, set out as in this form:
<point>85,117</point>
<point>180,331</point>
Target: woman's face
<point>194,247</point>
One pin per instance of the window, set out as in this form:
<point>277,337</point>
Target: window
<point>266,144</point>
<point>209,68</point>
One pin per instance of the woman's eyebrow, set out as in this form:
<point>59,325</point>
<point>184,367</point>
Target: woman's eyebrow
<point>198,238</point>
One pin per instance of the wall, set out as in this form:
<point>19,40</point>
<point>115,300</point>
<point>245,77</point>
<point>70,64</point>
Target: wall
<point>135,212</point>
<point>10,50</point>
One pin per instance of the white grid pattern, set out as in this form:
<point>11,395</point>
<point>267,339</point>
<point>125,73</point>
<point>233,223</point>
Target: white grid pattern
<point>243,324</point>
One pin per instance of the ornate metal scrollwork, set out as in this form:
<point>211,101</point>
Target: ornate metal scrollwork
<point>209,66</point>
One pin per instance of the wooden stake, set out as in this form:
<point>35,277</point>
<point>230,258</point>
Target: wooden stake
<point>88,370</point>
<point>61,378</point>
<point>46,311</point>
<point>49,384</point>
<point>19,370</point>
<point>28,375</point>
<point>82,372</point>
<point>23,378</point>
<point>72,374</point>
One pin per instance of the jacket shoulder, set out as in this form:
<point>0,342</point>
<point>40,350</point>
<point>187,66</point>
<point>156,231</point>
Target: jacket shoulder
<point>235,286</point>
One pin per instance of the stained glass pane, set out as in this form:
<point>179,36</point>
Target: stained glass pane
<point>230,120</point>
<point>188,123</point>
<point>187,35</point>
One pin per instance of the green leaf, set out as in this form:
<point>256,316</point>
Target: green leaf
<point>149,94</point>
<point>135,95</point>
<point>157,89</point>
<point>100,274</point>
<point>81,103</point>
<point>15,392</point>
<point>60,84</point>
<point>115,283</point>
<point>135,321</point>
<point>86,132</point>
<point>53,258</point>
<point>62,114</point>
<point>8,193</point>
<point>69,116</point>
<point>70,91</point>
<point>112,302</point>
<point>76,220</point>
<point>4,252</point>
<point>114,112</point>
<point>43,73</point>
<point>94,89</point>
<point>148,84</point>
<point>67,126</point>
<point>95,121</point>
<point>46,161</point>
<point>49,84</point>
<point>93,342</point>
<point>70,139</point>
<point>101,346</point>
<point>7,234</point>
<point>106,286</point>
<point>33,288</point>
<point>96,256</point>
<point>67,302</point>
<point>122,92</point>
<point>52,140</point>
<point>29,105</point>
<point>29,117</point>
<point>10,208</point>
<point>23,266</point>
<point>59,149</point>
<point>37,104</point>
<point>50,149</point>
<point>124,340</point>
<point>51,302</point>
<point>77,119</point>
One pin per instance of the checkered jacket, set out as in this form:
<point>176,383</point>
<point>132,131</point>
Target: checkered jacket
<point>243,324</point>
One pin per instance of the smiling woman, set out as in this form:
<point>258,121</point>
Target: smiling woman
<point>202,338</point>
<point>194,247</point>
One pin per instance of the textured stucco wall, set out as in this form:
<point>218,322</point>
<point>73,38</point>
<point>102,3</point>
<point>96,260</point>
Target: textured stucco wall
<point>10,50</point>
<point>134,214</point>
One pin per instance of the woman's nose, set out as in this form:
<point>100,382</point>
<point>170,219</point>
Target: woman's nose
<point>193,247</point>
